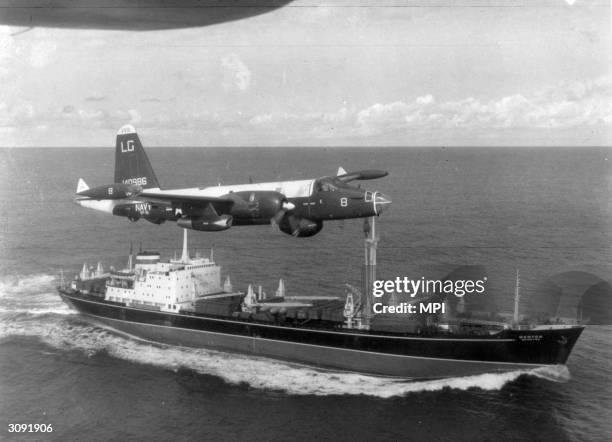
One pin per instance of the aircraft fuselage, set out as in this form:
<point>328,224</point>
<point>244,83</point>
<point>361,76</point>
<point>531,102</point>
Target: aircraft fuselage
<point>315,199</point>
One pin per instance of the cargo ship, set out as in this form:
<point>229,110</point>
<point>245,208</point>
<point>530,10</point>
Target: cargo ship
<point>186,302</point>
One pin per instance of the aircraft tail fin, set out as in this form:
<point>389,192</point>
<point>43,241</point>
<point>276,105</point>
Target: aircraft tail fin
<point>341,171</point>
<point>81,186</point>
<point>132,165</point>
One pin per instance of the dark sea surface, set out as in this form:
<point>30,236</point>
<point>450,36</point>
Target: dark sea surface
<point>546,212</point>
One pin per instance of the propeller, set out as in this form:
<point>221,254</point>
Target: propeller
<point>286,206</point>
<point>294,224</point>
<point>367,228</point>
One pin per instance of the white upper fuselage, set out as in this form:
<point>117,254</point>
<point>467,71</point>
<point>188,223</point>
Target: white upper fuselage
<point>291,189</point>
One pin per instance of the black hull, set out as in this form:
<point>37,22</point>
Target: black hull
<point>408,356</point>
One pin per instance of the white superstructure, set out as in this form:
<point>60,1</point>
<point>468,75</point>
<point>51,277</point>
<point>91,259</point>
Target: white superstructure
<point>166,286</point>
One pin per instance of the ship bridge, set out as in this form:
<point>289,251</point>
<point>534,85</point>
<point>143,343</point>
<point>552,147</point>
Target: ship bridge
<point>167,286</point>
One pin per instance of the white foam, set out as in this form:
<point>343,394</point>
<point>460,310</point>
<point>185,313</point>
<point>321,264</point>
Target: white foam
<point>31,294</point>
<point>554,373</point>
<point>13,285</point>
<point>60,310</point>
<point>294,379</point>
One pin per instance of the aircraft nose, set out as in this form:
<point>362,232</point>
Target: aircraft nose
<point>381,201</point>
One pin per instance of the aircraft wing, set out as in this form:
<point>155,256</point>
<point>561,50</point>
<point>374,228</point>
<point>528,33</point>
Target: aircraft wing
<point>131,15</point>
<point>221,205</point>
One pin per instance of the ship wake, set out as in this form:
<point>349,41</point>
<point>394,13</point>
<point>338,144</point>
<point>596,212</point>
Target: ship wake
<point>23,295</point>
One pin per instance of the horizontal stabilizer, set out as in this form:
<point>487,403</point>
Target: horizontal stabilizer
<point>81,186</point>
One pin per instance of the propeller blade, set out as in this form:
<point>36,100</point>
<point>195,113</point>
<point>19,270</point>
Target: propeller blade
<point>294,223</point>
<point>279,216</point>
<point>286,206</point>
<point>276,219</point>
<point>367,228</point>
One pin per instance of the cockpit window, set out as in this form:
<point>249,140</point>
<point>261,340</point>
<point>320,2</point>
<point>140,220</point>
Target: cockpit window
<point>325,186</point>
<point>368,196</point>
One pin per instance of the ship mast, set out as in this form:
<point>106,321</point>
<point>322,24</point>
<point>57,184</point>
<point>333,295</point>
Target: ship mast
<point>369,274</point>
<point>185,255</point>
<point>130,258</point>
<point>517,298</point>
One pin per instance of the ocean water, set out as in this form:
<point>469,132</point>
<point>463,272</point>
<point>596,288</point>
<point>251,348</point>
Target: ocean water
<point>546,212</point>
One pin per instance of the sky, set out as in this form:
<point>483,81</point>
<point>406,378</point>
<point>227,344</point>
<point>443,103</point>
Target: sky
<point>321,73</point>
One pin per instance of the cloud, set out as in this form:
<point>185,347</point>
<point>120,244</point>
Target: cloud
<point>156,100</point>
<point>17,55</point>
<point>313,124</point>
<point>24,115</point>
<point>569,112</point>
<point>15,116</point>
<point>565,106</point>
<point>42,53</point>
<point>236,75</point>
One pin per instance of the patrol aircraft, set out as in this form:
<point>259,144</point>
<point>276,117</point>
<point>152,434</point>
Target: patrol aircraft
<point>296,207</point>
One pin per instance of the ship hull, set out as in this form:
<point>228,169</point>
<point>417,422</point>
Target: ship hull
<point>363,352</point>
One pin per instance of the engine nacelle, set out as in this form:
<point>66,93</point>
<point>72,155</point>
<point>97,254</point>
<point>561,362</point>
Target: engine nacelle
<point>155,220</point>
<point>223,222</point>
<point>300,227</point>
<point>256,205</point>
<point>115,191</point>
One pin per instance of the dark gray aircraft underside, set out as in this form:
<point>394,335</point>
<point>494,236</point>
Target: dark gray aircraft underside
<point>138,15</point>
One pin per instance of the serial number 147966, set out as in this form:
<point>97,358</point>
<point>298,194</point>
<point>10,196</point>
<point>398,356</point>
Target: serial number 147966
<point>30,428</point>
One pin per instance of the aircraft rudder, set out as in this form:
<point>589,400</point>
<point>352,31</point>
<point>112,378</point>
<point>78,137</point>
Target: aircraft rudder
<point>132,165</point>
